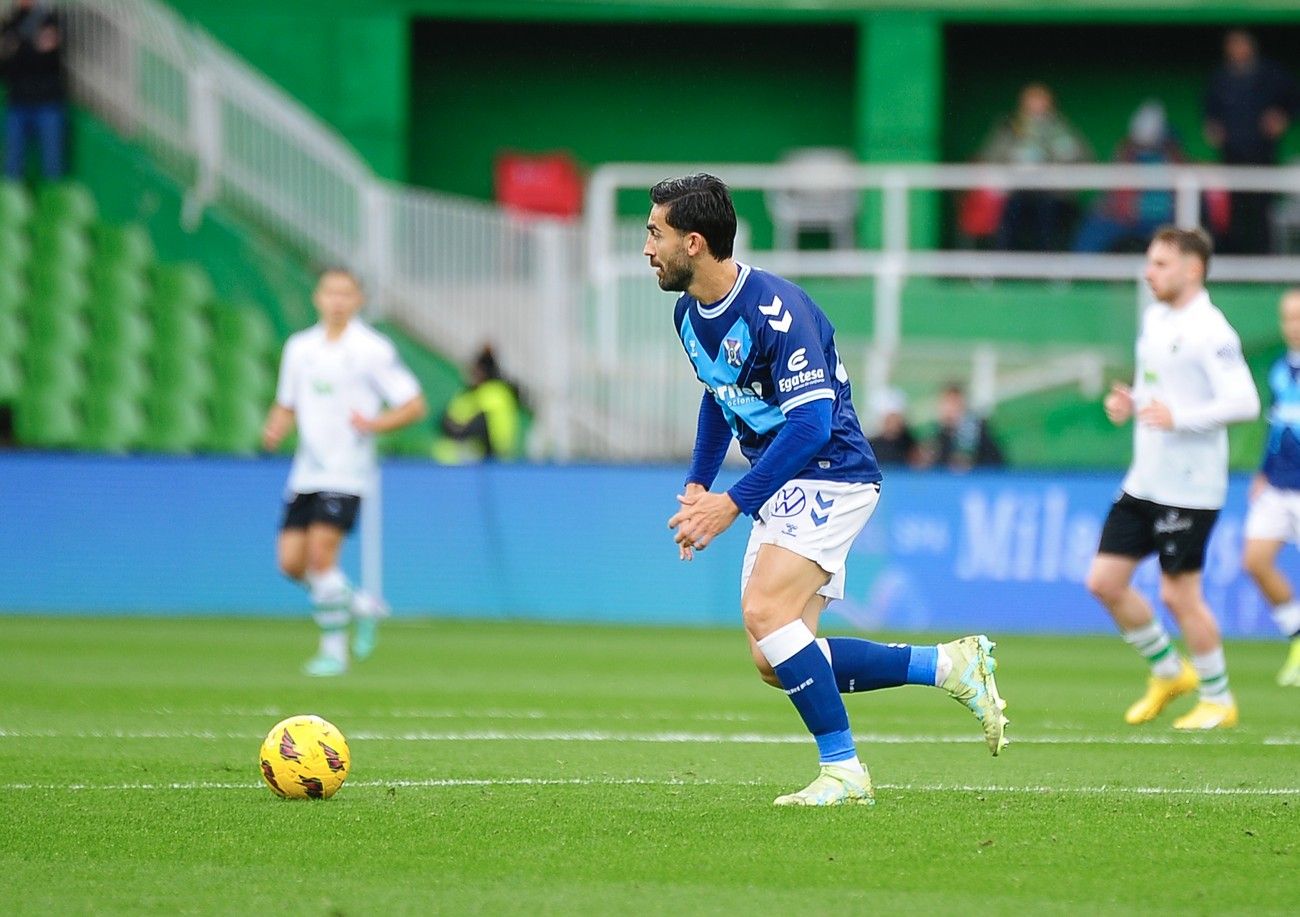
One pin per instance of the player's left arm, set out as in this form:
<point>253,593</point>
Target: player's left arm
<point>1234,398</point>
<point>399,388</point>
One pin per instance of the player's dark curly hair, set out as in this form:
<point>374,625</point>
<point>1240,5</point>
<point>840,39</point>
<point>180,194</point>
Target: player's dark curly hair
<point>700,203</point>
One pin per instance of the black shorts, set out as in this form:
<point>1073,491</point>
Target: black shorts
<point>338,510</point>
<point>1136,528</point>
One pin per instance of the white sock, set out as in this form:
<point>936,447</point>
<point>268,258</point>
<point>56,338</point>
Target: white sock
<point>332,595</point>
<point>1213,670</point>
<point>1152,641</point>
<point>854,764</point>
<point>1287,618</point>
<point>942,668</point>
<point>334,643</point>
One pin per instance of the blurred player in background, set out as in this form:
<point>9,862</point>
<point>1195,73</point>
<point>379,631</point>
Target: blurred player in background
<point>1191,381</point>
<point>766,355</point>
<point>335,379</point>
<point>1274,516</point>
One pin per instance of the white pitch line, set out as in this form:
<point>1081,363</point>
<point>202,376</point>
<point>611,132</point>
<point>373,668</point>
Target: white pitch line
<point>718,738</point>
<point>453,783</point>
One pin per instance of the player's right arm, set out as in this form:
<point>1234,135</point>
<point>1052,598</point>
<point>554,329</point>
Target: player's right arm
<point>279,423</point>
<point>280,419</point>
<point>712,439</point>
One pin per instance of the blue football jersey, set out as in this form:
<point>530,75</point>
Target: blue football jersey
<point>1282,454</point>
<point>765,349</point>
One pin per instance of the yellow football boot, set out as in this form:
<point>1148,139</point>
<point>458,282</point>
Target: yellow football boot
<point>1160,692</point>
<point>1206,715</point>
<point>1290,674</point>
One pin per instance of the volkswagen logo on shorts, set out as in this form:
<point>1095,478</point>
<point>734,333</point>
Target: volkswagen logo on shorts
<point>789,502</point>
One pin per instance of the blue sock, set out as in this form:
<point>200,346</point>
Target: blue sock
<point>810,684</point>
<point>861,665</point>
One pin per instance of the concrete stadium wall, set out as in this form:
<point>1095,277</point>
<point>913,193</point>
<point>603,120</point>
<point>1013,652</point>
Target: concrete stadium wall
<point>997,552</point>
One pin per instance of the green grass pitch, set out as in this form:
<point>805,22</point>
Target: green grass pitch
<point>550,769</point>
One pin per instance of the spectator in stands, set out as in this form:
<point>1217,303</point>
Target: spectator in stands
<point>31,66</point>
<point>1249,104</point>
<point>893,443</point>
<point>1128,215</point>
<point>963,439</point>
<point>482,422</point>
<point>1036,134</point>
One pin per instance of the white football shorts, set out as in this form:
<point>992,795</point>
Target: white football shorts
<point>1274,515</point>
<point>818,520</point>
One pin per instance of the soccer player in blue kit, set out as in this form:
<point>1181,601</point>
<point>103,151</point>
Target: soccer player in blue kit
<point>766,355</point>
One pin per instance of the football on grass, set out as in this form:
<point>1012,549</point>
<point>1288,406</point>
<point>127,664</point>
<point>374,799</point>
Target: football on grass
<point>304,757</point>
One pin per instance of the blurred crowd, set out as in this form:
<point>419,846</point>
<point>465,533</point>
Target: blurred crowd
<point>1248,106</point>
<point>959,440</point>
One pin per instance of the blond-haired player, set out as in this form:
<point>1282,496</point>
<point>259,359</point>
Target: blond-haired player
<point>1191,381</point>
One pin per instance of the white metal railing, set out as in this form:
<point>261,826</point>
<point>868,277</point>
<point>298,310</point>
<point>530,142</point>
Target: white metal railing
<point>623,289</point>
<point>572,310</point>
<point>459,273</point>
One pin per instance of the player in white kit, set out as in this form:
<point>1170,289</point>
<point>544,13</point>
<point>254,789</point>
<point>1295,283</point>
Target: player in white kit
<point>336,378</point>
<point>1191,381</point>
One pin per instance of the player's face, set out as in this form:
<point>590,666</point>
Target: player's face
<point>337,298</point>
<point>1289,313</point>
<point>1169,272</point>
<point>666,249</point>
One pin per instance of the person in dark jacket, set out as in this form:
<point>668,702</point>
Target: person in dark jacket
<point>1249,104</point>
<point>962,440</point>
<point>31,66</point>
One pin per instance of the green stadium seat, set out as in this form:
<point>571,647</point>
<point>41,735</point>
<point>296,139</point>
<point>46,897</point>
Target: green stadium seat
<point>114,422</point>
<point>13,333</point>
<point>121,372</point>
<point>15,204</point>
<point>66,202</point>
<point>178,370</point>
<point>66,287</point>
<point>243,375</point>
<point>126,246</point>
<point>61,244</point>
<point>244,328</point>
<point>185,282</point>
<point>118,289</point>
<point>11,377</point>
<point>13,289</point>
<point>53,369</point>
<point>177,424</point>
<point>236,426</point>
<point>126,331</point>
<point>15,249</point>
<point>183,331</point>
<point>48,419</point>
<point>56,329</point>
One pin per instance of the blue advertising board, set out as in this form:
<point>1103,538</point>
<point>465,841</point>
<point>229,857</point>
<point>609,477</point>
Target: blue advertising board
<point>1005,551</point>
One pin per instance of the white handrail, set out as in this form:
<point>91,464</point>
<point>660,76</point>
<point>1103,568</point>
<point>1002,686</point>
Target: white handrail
<point>458,272</point>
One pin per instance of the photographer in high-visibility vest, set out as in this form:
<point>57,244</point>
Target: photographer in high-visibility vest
<point>483,422</point>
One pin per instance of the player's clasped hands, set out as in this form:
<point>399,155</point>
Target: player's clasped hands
<point>702,517</point>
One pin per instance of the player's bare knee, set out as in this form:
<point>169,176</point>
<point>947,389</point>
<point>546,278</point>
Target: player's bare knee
<point>292,567</point>
<point>762,616</point>
<point>1256,563</point>
<point>1105,589</point>
<point>1178,598</point>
